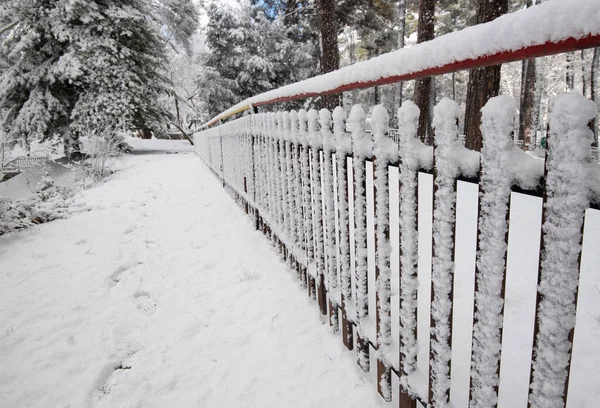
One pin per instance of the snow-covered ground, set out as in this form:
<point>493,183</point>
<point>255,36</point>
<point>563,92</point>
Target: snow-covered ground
<point>148,146</point>
<point>162,295</point>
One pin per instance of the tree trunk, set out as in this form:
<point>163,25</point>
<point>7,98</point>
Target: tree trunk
<point>145,134</point>
<point>454,86</point>
<point>484,83</point>
<point>352,56</point>
<point>423,87</point>
<point>71,146</point>
<point>570,74</point>
<point>177,109</point>
<point>398,86</point>
<point>594,91</point>
<point>526,111</point>
<point>330,56</point>
<point>583,74</point>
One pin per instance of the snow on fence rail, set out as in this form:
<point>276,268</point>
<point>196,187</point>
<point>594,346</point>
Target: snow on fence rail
<point>322,188</point>
<point>549,28</point>
<point>280,167</point>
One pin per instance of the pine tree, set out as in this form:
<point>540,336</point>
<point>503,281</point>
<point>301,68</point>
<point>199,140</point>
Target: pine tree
<point>81,67</point>
<point>180,19</point>
<point>248,53</point>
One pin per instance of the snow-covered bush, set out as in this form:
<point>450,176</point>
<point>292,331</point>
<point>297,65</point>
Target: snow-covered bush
<point>48,202</point>
<point>101,152</point>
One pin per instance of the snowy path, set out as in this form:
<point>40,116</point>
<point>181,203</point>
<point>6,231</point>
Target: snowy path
<point>162,295</point>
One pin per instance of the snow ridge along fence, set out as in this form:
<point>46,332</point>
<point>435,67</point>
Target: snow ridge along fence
<point>319,187</point>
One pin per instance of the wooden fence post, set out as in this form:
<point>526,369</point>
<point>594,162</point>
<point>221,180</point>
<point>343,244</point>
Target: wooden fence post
<point>316,141</point>
<point>328,198</point>
<point>307,202</point>
<point>362,145</point>
<point>288,203</point>
<point>297,209</point>
<point>566,198</point>
<point>498,116</point>
<point>386,153</point>
<point>408,190</point>
<point>282,185</point>
<point>446,171</point>
<point>343,143</point>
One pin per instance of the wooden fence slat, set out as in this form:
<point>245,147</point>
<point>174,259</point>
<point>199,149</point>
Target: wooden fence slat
<point>343,150</point>
<point>307,201</point>
<point>566,198</point>
<point>445,119</point>
<point>362,146</point>
<point>330,227</point>
<point>495,181</point>
<point>408,116</point>
<point>316,141</point>
<point>386,153</point>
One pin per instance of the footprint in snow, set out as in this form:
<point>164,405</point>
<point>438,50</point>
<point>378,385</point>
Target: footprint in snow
<point>145,303</point>
<point>110,378</point>
<point>116,276</point>
<point>129,230</point>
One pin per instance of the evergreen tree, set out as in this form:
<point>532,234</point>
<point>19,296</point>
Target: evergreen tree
<point>249,53</point>
<point>180,19</point>
<point>81,66</point>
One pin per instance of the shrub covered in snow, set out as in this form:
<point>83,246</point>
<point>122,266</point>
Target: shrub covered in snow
<point>47,203</point>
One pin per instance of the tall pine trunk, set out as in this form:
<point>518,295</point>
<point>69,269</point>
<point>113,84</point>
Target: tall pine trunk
<point>583,75</point>
<point>423,87</point>
<point>330,56</point>
<point>527,124</point>
<point>570,73</point>
<point>484,83</point>
<point>398,86</point>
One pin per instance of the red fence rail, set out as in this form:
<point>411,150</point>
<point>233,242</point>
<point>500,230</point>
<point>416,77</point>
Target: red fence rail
<point>547,29</point>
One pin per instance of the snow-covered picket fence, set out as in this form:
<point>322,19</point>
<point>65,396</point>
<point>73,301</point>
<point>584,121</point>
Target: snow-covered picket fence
<point>304,178</point>
<point>290,172</point>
